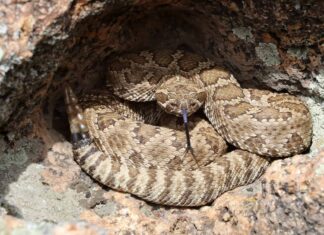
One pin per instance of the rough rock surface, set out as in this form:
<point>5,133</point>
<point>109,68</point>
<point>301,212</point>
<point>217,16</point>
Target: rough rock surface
<point>288,199</point>
<point>274,45</point>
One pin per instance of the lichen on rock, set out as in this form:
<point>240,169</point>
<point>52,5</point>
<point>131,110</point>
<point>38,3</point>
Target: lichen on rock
<point>43,44</point>
<point>268,53</point>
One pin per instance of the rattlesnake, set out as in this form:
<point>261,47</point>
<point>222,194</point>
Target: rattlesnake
<point>117,142</point>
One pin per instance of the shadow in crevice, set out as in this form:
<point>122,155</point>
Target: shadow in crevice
<point>15,157</point>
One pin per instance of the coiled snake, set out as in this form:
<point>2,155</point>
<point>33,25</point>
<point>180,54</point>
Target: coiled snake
<point>126,141</point>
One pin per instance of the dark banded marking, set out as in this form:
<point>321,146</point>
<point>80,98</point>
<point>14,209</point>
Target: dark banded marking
<point>82,156</point>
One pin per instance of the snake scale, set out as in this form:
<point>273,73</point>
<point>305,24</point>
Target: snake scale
<point>126,141</point>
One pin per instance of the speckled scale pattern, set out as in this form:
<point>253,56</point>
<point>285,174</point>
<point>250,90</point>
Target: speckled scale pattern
<point>125,146</point>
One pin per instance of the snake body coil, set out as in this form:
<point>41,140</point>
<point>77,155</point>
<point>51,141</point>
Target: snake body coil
<point>134,147</point>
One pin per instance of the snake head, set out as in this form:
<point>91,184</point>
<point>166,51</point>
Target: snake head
<point>179,93</point>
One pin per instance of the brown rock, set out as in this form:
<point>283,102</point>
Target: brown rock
<point>293,196</point>
<point>44,44</point>
<point>60,170</point>
<point>288,198</point>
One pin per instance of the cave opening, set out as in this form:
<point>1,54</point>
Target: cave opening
<point>276,46</point>
<point>202,29</point>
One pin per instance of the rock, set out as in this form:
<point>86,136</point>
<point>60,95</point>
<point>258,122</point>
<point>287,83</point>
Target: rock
<point>293,197</point>
<point>50,43</point>
<point>44,44</point>
<point>11,225</point>
<point>287,199</point>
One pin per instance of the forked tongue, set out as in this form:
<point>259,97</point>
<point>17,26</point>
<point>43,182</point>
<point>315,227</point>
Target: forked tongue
<point>185,120</point>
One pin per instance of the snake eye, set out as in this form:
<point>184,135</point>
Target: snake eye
<point>173,104</point>
<point>161,97</point>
